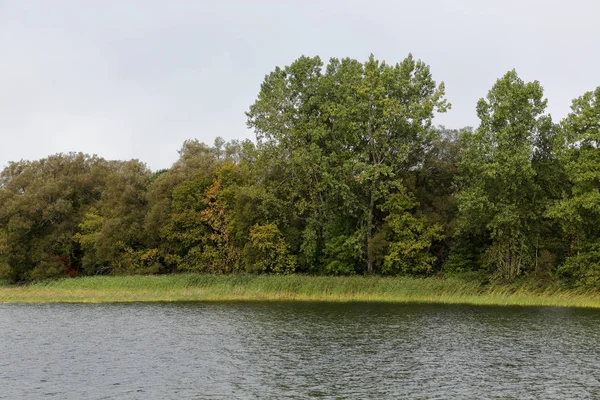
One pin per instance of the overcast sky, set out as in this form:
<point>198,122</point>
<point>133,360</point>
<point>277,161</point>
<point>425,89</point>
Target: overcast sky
<point>134,79</point>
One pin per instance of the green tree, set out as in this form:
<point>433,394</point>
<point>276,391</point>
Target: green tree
<point>432,185</point>
<point>578,211</point>
<point>267,251</point>
<point>41,205</point>
<point>344,135</point>
<point>497,182</point>
<point>411,237</point>
<point>4,267</point>
<point>188,222</point>
<point>113,229</point>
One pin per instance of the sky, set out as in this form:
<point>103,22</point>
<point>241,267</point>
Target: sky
<point>135,78</point>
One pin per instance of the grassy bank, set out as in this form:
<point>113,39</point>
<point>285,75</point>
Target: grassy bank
<point>197,287</point>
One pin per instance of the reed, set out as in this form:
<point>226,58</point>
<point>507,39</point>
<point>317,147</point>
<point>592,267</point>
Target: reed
<point>202,287</point>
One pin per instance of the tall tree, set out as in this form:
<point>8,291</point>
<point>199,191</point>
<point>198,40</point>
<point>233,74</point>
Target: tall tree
<point>578,211</point>
<point>187,221</point>
<point>41,204</point>
<point>346,134</point>
<point>497,180</point>
<point>113,230</point>
<point>432,184</point>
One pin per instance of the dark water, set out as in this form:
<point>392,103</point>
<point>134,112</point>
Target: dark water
<point>297,350</point>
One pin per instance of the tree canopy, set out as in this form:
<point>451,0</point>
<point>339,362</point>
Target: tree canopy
<point>348,175</point>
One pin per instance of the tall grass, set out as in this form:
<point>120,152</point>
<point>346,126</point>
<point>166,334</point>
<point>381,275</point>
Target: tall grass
<point>200,287</point>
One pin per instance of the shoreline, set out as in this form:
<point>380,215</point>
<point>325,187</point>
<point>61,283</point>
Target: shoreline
<point>206,288</point>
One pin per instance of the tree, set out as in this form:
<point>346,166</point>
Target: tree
<point>578,211</point>
<point>432,185</point>
<point>188,223</point>
<point>411,237</point>
<point>41,205</point>
<point>5,271</point>
<point>267,251</point>
<point>346,134</point>
<point>112,230</point>
<point>497,183</point>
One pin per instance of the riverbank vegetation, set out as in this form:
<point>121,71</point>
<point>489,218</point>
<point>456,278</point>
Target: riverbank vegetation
<point>348,176</point>
<point>464,289</point>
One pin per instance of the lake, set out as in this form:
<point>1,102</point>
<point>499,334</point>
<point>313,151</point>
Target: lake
<point>277,350</point>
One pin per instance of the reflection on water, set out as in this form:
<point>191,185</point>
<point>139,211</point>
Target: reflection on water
<point>297,350</point>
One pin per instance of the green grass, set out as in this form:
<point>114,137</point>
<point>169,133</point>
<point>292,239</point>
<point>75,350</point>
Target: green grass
<point>199,287</point>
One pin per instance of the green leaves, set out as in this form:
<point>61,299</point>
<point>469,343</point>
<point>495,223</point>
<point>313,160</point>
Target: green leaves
<point>347,176</point>
<point>411,237</point>
<point>497,185</point>
<point>578,211</point>
<point>267,251</point>
<point>344,134</point>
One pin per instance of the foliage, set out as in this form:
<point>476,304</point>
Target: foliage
<point>266,251</point>
<point>496,184</point>
<point>578,211</point>
<point>411,238</point>
<point>344,135</point>
<point>347,176</point>
<point>132,261</point>
<point>460,289</point>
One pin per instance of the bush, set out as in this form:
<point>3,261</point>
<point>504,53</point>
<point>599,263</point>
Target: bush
<point>146,261</point>
<point>48,269</point>
<point>267,251</point>
<point>582,269</point>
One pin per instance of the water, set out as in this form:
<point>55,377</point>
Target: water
<point>297,350</point>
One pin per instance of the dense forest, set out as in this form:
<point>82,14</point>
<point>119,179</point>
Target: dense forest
<point>347,175</point>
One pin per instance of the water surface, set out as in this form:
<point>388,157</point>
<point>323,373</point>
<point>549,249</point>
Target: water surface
<point>297,350</point>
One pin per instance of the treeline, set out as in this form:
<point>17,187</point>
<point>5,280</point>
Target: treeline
<point>347,176</point>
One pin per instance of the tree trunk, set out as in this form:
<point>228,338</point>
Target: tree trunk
<point>369,261</point>
<point>370,228</point>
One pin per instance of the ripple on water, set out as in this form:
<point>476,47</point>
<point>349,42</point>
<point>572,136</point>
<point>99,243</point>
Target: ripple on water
<point>297,350</point>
